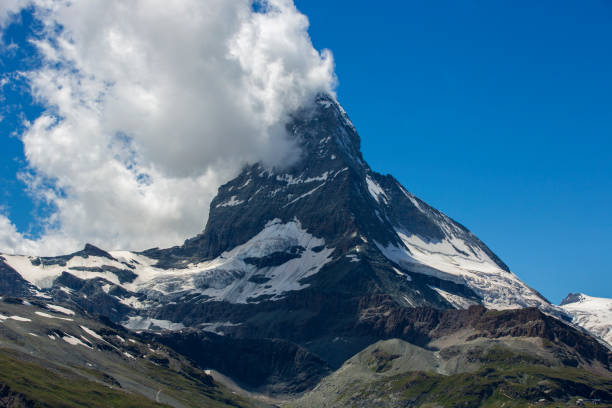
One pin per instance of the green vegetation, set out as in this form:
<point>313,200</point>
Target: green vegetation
<point>26,382</point>
<point>492,387</point>
<point>381,360</point>
<point>511,379</point>
<point>29,384</point>
<point>505,379</point>
<point>188,388</point>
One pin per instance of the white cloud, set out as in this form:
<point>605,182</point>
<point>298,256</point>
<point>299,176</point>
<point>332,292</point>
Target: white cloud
<point>8,10</point>
<point>151,105</point>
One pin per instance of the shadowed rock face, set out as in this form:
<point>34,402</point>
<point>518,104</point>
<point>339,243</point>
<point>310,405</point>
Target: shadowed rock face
<point>269,365</point>
<point>11,282</point>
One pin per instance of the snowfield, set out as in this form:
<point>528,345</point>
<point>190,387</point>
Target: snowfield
<point>592,313</point>
<point>376,191</point>
<point>233,277</point>
<point>237,276</point>
<point>498,288</point>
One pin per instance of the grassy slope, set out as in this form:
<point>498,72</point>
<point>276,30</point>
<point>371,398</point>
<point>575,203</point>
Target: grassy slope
<point>37,386</point>
<point>505,378</point>
<point>493,386</point>
<point>118,370</point>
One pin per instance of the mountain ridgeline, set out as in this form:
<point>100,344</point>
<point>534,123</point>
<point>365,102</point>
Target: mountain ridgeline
<point>300,270</point>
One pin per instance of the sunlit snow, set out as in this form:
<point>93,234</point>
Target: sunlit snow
<point>592,313</point>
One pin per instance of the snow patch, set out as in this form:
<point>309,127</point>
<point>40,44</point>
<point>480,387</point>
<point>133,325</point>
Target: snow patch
<point>407,299</point>
<point>289,179</point>
<point>16,318</point>
<point>230,203</point>
<point>48,316</point>
<point>453,260</point>
<point>402,274</point>
<point>457,301</point>
<point>376,190</point>
<point>304,195</point>
<point>246,183</point>
<point>146,323</point>
<point>132,302</point>
<point>20,319</point>
<point>60,309</point>
<point>75,341</point>
<point>353,258</point>
<point>92,333</point>
<point>42,275</point>
<point>412,199</point>
<point>217,327</point>
<point>41,295</point>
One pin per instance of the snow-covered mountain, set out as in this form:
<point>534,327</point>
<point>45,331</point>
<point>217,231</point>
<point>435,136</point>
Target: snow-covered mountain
<point>305,253</point>
<point>592,313</point>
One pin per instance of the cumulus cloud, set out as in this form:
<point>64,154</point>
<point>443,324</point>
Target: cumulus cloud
<point>8,9</point>
<point>150,106</point>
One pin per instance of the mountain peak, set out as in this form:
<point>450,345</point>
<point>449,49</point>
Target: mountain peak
<point>92,250</point>
<point>325,133</point>
<point>365,221</point>
<point>573,298</point>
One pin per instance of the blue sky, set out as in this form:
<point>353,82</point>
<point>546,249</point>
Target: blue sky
<point>16,105</point>
<point>497,113</point>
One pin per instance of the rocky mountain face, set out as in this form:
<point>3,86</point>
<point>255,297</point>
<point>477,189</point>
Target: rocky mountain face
<point>592,313</point>
<point>301,268</point>
<point>11,282</point>
<point>355,215</point>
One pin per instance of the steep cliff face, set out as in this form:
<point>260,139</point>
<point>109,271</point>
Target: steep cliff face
<point>12,283</point>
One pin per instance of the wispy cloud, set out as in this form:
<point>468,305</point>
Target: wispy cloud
<point>150,106</point>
